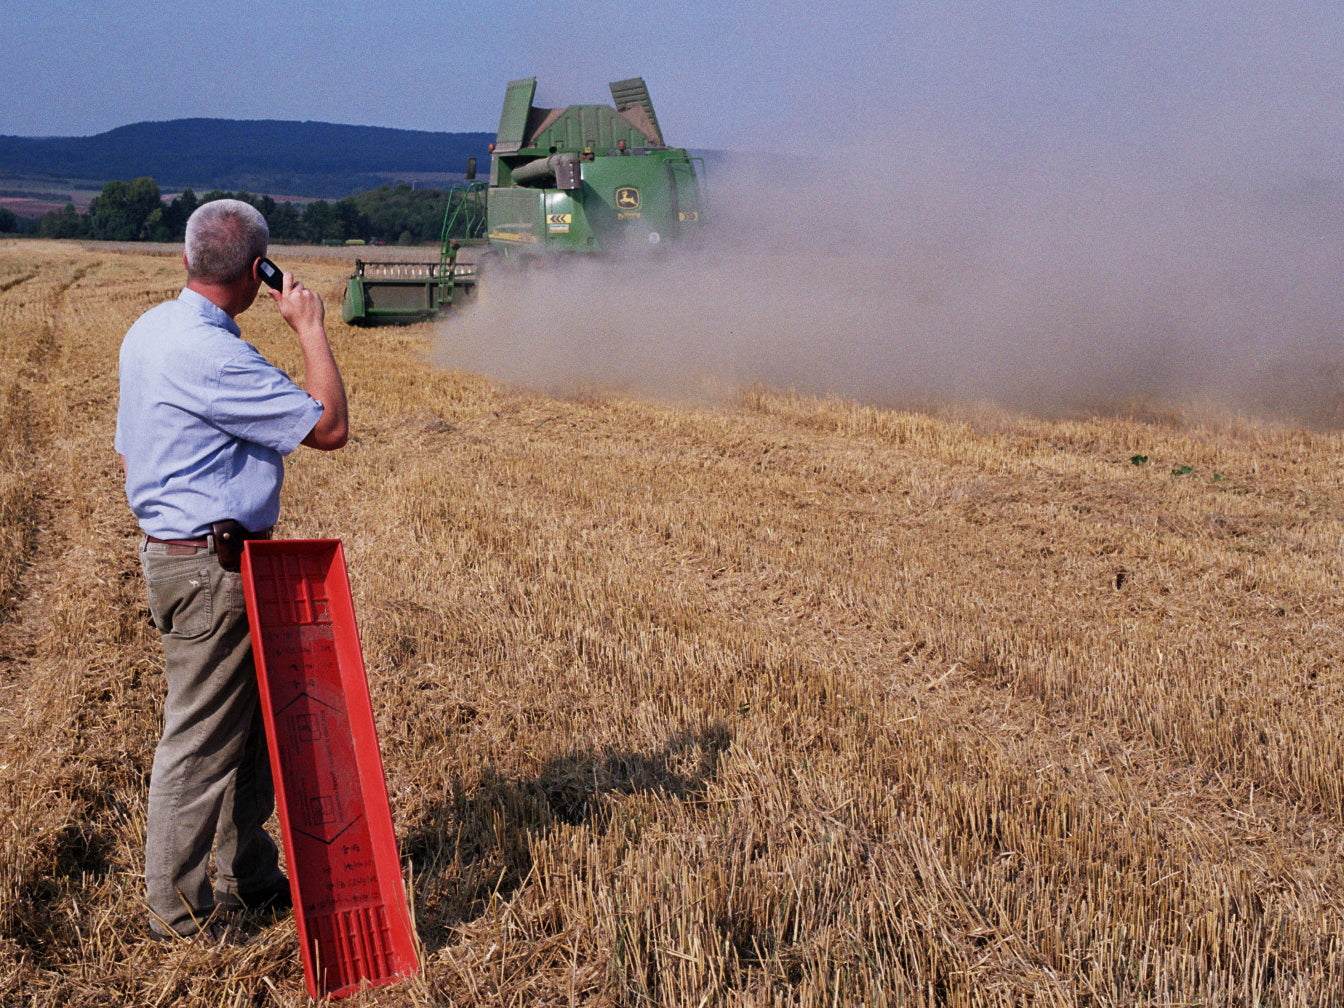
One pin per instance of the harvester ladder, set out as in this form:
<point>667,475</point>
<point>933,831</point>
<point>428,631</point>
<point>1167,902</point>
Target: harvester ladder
<point>466,206</point>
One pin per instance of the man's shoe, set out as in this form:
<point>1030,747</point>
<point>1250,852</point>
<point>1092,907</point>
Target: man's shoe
<point>272,899</point>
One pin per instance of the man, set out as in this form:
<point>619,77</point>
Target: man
<point>203,426</point>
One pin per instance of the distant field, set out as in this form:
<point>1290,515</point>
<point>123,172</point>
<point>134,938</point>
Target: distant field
<point>32,198</point>
<point>33,207</point>
<point>780,702</point>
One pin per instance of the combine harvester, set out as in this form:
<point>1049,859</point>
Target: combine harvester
<point>591,179</point>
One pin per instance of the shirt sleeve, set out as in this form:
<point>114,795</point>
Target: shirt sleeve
<point>256,401</point>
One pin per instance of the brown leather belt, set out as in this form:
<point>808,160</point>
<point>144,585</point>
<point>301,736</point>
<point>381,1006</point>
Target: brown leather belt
<point>180,547</point>
<point>187,547</point>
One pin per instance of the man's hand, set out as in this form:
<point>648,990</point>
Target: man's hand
<point>303,311</point>
<point>301,308</point>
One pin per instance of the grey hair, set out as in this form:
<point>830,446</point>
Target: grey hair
<point>223,238</point>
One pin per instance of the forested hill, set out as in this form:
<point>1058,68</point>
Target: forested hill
<point>265,156</point>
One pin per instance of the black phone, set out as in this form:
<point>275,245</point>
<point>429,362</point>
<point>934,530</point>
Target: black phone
<point>270,273</point>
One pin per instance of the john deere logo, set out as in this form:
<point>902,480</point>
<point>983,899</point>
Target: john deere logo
<point>627,198</point>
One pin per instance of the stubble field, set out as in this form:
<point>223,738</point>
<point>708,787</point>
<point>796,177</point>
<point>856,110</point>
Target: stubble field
<point>779,702</point>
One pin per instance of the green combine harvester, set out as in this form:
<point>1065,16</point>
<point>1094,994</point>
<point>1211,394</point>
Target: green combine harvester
<point>588,179</point>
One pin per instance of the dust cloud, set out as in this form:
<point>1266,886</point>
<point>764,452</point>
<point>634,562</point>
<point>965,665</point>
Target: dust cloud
<point>1093,281</point>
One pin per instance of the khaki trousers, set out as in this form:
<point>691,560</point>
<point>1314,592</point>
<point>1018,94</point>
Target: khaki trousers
<point>211,781</point>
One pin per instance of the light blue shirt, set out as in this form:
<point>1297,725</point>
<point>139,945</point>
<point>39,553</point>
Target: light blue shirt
<point>204,422</point>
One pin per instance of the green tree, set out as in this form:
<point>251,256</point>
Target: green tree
<point>400,213</point>
<point>175,214</point>
<point>353,222</point>
<point>136,211</point>
<point>321,223</point>
<point>125,211</point>
<point>285,224</point>
<point>66,222</point>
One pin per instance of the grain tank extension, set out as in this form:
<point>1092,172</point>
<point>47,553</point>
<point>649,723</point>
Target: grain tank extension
<point>588,179</point>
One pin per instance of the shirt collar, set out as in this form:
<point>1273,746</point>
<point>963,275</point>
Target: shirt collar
<point>208,310</point>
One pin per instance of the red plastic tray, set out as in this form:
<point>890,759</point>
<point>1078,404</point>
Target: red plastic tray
<point>350,903</point>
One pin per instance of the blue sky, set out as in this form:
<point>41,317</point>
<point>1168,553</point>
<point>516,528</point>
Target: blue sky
<point>1022,75</point>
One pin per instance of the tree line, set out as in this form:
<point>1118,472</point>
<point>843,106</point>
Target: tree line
<point>137,211</point>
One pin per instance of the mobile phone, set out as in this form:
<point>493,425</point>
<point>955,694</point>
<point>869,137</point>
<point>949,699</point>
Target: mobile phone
<point>270,272</point>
